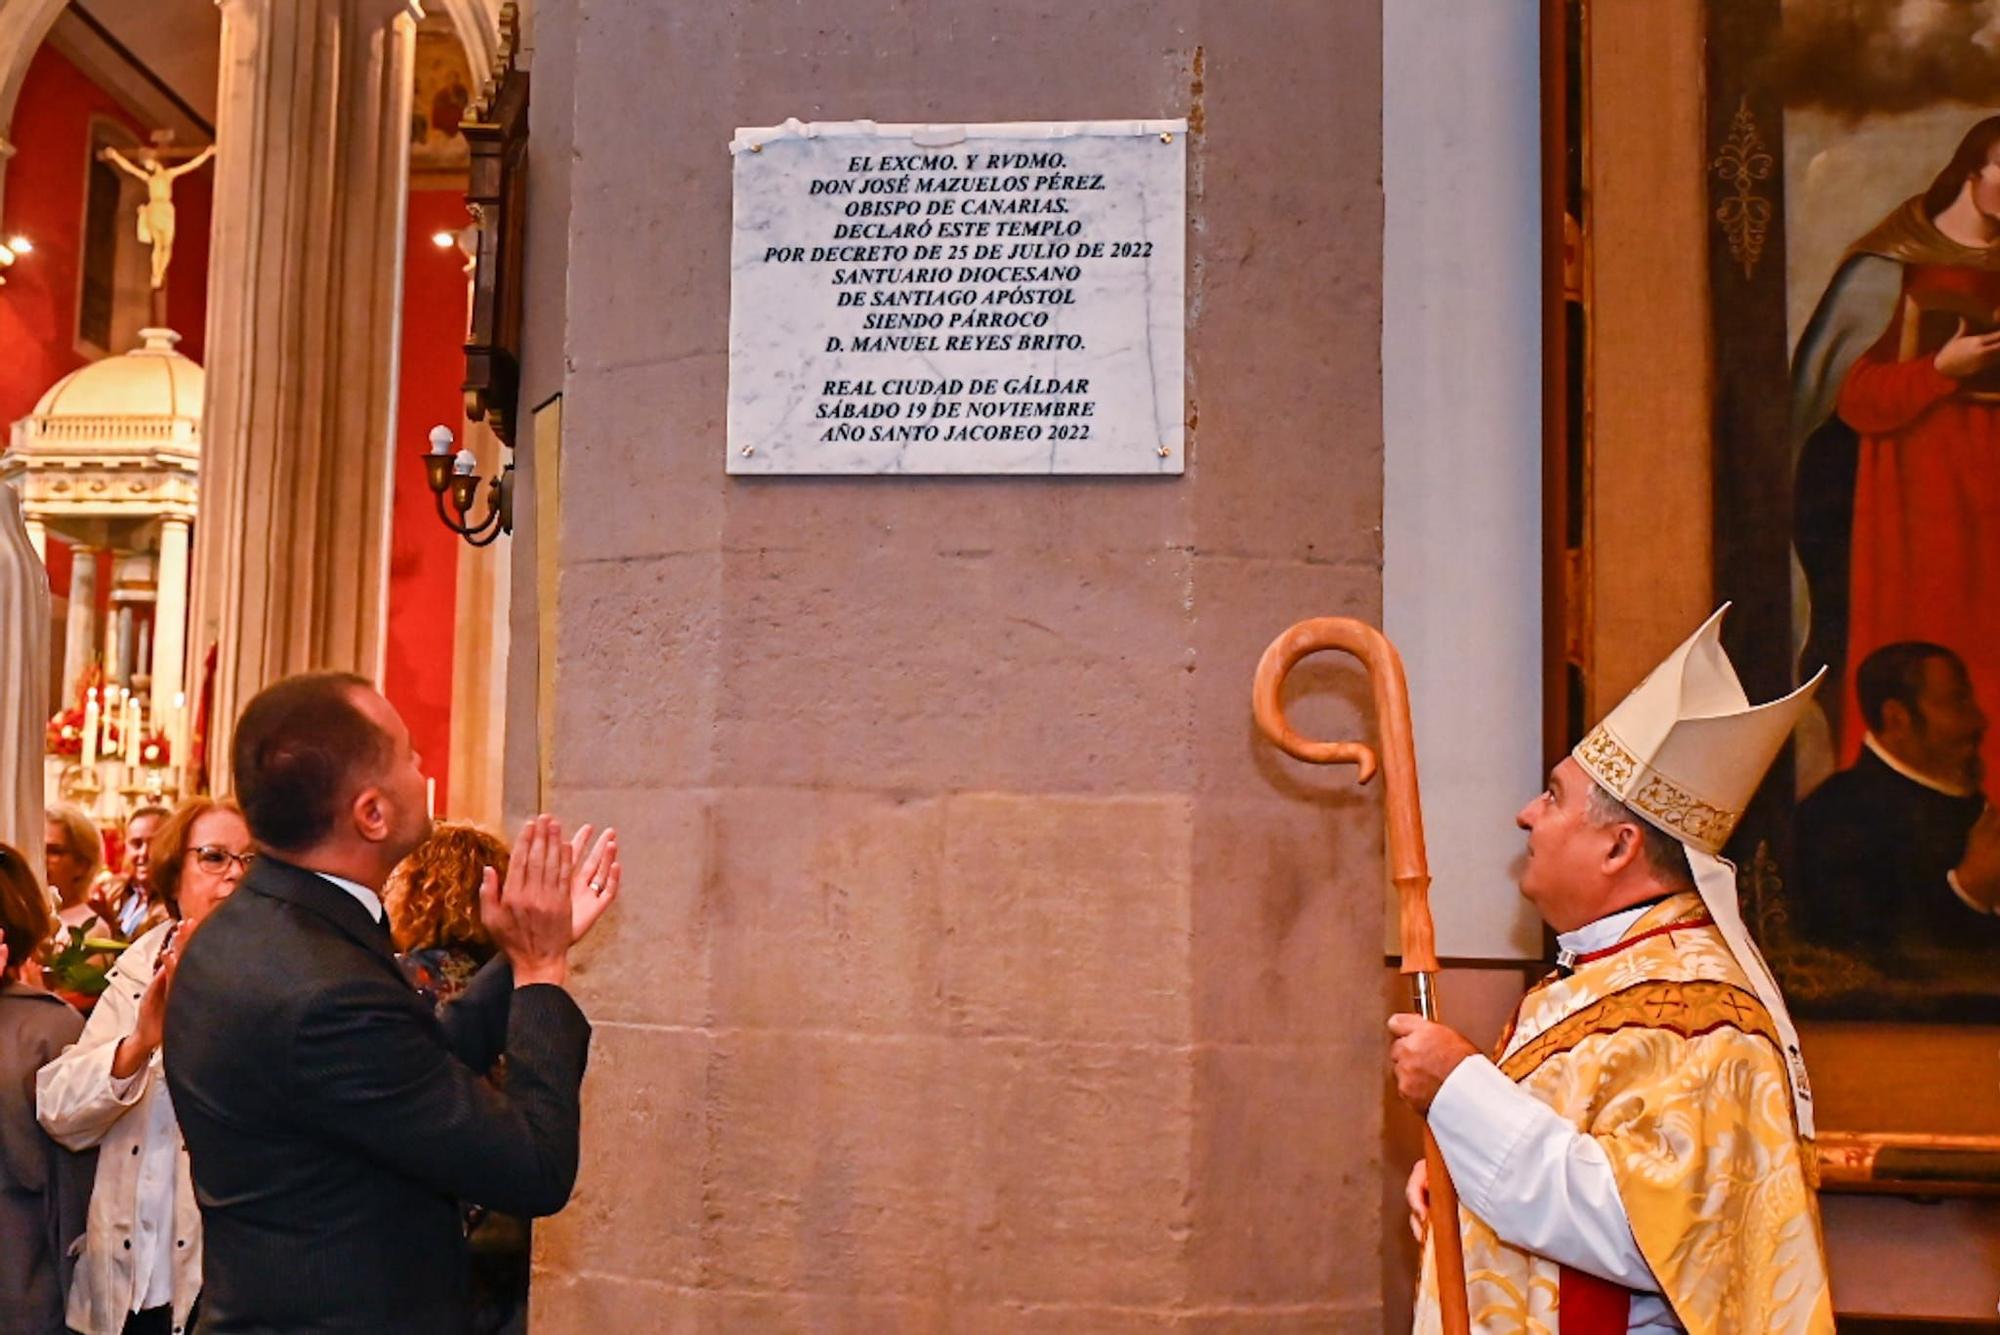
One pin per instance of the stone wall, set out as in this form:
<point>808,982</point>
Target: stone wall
<point>978,968</point>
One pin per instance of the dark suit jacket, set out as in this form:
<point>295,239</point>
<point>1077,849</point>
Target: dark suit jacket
<point>1873,851</point>
<point>336,1124</point>
<point>44,1189</point>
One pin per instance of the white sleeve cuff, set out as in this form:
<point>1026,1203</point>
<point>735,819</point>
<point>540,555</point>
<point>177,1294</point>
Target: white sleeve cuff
<point>1537,1182</point>
<point>1480,1117</point>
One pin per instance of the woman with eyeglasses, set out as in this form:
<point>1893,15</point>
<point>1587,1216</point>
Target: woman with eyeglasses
<point>141,1266</point>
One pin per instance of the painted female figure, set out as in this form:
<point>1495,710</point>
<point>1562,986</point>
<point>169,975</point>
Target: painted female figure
<point>1896,396</point>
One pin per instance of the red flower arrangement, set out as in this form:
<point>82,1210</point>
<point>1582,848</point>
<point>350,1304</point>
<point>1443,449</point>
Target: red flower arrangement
<point>65,736</point>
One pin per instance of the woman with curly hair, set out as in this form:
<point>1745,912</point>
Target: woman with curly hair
<point>141,1264</point>
<point>432,899</point>
<point>432,902</point>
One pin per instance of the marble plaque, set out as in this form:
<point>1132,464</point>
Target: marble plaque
<point>958,298</point>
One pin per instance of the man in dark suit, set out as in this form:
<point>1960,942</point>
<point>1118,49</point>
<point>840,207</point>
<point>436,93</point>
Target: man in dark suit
<point>1899,854</point>
<point>336,1125</point>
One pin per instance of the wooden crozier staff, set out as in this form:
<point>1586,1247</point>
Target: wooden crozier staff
<point>1408,868</point>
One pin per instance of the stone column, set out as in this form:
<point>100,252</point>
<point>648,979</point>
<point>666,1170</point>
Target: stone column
<point>170,630</point>
<point>998,977</point>
<point>118,658</point>
<point>80,635</point>
<point>312,134</point>
<point>24,677</point>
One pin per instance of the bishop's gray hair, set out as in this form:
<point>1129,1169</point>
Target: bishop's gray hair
<point>1662,852</point>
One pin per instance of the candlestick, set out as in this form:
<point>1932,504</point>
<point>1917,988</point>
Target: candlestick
<point>90,730</point>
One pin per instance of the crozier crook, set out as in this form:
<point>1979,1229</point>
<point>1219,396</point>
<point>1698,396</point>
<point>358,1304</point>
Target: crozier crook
<point>1409,870</point>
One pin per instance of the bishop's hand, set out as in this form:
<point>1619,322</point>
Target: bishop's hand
<point>1417,1193</point>
<point>1423,1054</point>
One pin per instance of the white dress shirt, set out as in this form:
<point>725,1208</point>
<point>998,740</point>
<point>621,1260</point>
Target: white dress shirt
<point>363,896</point>
<point>1537,1181</point>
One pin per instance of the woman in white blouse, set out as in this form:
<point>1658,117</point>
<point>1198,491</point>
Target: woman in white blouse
<point>141,1266</point>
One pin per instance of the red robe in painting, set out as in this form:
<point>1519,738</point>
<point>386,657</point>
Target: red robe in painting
<point>1925,561</point>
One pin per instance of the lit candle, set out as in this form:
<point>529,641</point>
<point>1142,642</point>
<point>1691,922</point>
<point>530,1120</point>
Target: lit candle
<point>90,730</point>
<point>431,798</point>
<point>131,731</point>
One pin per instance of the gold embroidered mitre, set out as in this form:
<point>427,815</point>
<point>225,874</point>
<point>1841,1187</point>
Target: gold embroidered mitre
<point>1686,749</point>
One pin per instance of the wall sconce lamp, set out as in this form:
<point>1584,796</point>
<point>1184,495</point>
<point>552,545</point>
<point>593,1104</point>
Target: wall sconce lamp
<point>459,475</point>
<point>10,250</point>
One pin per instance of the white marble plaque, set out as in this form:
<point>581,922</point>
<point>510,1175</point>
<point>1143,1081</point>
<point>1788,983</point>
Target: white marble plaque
<point>958,298</point>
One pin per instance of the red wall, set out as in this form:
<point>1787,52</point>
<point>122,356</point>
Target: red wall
<point>423,554</point>
<point>45,195</point>
<point>45,200</point>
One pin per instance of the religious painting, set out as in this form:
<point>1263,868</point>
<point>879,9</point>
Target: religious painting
<point>1855,300</point>
<point>444,89</point>
<point>1772,378</point>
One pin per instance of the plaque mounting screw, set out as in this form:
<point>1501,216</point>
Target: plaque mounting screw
<point>1164,451</point>
<point>756,148</point>
<point>1166,136</point>
<point>749,450</point>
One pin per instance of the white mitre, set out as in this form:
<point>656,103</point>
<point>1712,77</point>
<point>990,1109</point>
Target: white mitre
<point>1686,750</point>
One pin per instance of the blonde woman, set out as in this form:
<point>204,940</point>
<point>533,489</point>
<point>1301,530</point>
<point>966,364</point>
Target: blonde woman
<point>74,853</point>
<point>141,1265</point>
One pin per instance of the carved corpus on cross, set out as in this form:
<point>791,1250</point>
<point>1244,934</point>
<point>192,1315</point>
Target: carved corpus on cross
<point>158,166</point>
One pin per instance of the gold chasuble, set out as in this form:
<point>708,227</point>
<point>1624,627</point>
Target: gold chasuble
<point>1661,1051</point>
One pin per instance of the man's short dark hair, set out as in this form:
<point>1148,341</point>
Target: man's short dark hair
<point>302,748</point>
<point>1896,672</point>
<point>1662,852</point>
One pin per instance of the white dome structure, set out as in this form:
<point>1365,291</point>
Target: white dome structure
<point>139,410</point>
<point>110,462</point>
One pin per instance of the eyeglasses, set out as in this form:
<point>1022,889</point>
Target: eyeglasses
<point>214,858</point>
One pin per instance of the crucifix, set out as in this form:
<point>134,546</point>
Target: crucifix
<point>156,170</point>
